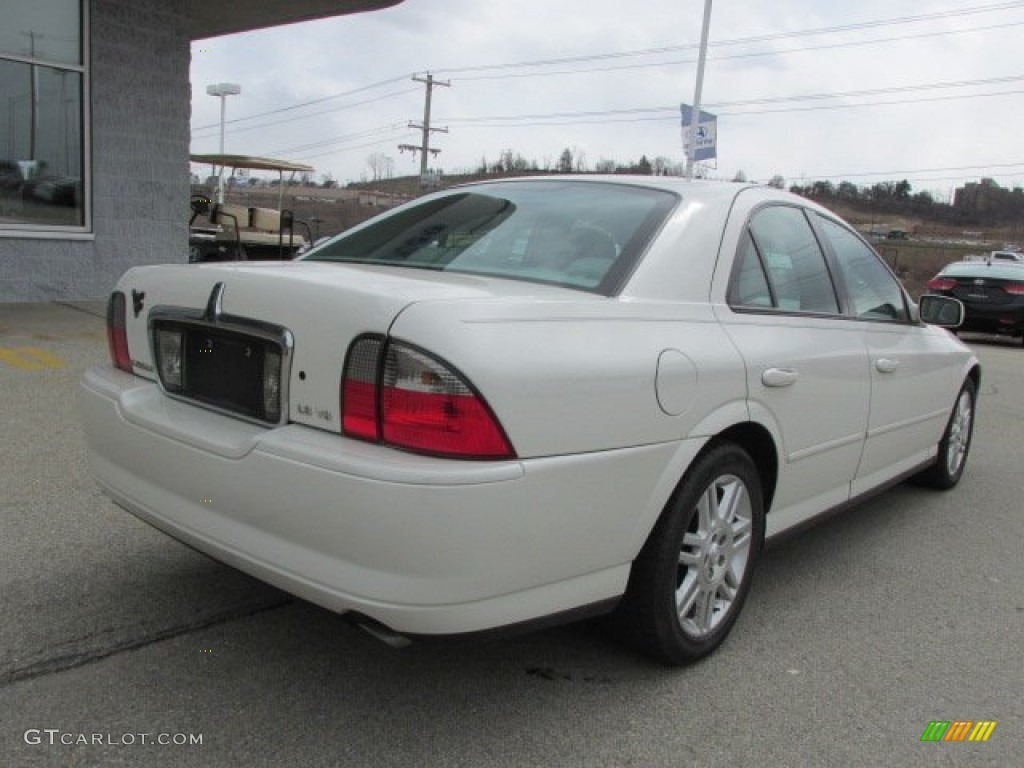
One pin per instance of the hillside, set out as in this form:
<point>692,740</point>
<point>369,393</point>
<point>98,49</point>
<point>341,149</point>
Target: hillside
<point>930,246</point>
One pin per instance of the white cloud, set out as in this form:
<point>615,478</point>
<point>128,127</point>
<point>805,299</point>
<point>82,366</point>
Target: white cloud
<point>921,131</point>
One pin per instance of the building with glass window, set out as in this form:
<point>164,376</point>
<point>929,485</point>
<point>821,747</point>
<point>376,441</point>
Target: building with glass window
<point>94,132</point>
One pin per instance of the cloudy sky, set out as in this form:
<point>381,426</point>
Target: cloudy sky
<point>927,90</point>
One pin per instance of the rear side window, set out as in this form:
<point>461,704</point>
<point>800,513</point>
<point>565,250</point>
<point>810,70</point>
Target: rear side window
<point>579,235</point>
<point>781,266</point>
<point>875,292</point>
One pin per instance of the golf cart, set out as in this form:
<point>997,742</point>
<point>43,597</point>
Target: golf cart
<point>220,231</point>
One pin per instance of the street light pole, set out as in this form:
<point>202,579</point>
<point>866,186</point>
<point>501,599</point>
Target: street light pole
<point>223,90</point>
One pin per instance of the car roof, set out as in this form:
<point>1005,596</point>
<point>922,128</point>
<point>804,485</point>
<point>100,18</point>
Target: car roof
<point>1003,270</point>
<point>694,189</point>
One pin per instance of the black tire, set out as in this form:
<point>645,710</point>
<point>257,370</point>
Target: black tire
<point>723,550</point>
<point>955,443</point>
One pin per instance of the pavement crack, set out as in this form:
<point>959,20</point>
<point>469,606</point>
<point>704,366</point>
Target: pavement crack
<point>64,661</point>
<point>84,310</point>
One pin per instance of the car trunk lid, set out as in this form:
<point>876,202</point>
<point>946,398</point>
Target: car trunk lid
<point>234,318</point>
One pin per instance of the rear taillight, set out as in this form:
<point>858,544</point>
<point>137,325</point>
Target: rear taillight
<point>941,284</point>
<point>400,395</point>
<point>1017,289</point>
<point>359,389</point>
<point>117,333</point>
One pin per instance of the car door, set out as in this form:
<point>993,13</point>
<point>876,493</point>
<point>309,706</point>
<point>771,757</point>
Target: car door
<point>912,384</point>
<point>806,365</point>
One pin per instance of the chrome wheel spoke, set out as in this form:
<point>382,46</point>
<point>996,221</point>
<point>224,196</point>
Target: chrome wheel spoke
<point>693,541</point>
<point>705,610</point>
<point>733,496</point>
<point>706,508</point>
<point>742,528</point>
<point>959,434</point>
<point>689,559</point>
<point>728,588</point>
<point>714,554</point>
<point>686,596</point>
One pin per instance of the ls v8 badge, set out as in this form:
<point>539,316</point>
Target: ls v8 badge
<point>305,409</point>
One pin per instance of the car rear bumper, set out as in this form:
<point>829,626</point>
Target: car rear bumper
<point>993,319</point>
<point>422,545</point>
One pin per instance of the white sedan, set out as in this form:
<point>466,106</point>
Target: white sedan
<point>527,401</point>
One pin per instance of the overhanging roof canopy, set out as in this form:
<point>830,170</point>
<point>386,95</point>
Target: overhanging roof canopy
<point>250,162</point>
<point>211,18</point>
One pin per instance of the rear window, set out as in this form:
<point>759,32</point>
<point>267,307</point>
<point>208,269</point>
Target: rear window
<point>574,234</point>
<point>998,271</point>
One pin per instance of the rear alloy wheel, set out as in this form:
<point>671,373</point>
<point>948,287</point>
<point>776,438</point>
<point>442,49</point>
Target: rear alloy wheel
<point>955,444</point>
<point>690,579</point>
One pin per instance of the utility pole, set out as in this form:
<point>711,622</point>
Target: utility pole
<point>33,130</point>
<point>425,147</point>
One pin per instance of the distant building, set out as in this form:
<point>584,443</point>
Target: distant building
<point>979,197</point>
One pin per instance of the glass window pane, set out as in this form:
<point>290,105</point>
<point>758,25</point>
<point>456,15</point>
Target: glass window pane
<point>794,261</point>
<point>45,30</point>
<point>580,235</point>
<point>40,146</point>
<point>750,288</point>
<point>875,292</point>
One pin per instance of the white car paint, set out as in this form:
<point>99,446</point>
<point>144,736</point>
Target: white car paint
<point>605,399</point>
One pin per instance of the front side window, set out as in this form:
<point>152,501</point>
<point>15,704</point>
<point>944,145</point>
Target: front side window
<point>782,266</point>
<point>874,290</point>
<point>576,234</point>
<point>42,101</point>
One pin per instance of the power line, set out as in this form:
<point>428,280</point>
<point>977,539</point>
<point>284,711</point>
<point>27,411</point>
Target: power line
<point>674,110</point>
<point>380,134</point>
<point>749,55</point>
<point>742,40</point>
<point>669,49</point>
<point>303,104</point>
<point>900,172</point>
<point>310,114</point>
<point>343,150</point>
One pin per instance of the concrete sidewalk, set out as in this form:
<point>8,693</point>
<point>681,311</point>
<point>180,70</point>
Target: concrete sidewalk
<point>63,319</point>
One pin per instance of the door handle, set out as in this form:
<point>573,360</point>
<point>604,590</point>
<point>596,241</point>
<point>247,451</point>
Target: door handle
<point>886,365</point>
<point>778,377</point>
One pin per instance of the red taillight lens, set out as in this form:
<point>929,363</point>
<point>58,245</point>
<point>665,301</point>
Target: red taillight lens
<point>941,284</point>
<point>359,389</point>
<point>1016,289</point>
<point>428,407</point>
<point>416,402</point>
<point>117,334</point>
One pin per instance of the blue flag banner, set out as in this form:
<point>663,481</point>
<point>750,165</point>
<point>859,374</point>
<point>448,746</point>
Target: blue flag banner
<point>706,145</point>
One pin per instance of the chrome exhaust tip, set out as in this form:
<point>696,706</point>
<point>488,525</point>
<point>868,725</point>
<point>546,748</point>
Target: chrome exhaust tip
<point>380,631</point>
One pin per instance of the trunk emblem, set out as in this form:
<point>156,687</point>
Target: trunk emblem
<point>138,301</point>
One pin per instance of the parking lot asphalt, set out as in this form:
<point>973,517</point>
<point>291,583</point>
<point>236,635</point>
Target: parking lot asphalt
<point>857,634</point>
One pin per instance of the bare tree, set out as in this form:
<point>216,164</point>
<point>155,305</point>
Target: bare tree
<point>580,161</point>
<point>661,166</point>
<point>565,161</point>
<point>379,165</point>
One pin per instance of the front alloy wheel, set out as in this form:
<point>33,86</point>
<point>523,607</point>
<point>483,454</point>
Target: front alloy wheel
<point>689,581</point>
<point>955,444</point>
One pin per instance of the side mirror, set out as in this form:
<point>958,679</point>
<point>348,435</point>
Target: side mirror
<point>944,311</point>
